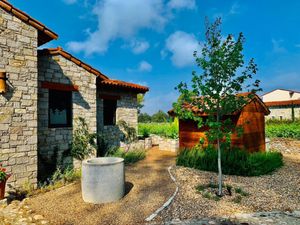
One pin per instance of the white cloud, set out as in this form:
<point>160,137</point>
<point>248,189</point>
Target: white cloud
<point>179,4</point>
<point>120,19</point>
<point>70,2</point>
<point>144,66</point>
<point>235,9</point>
<point>182,46</point>
<point>138,47</point>
<point>277,46</point>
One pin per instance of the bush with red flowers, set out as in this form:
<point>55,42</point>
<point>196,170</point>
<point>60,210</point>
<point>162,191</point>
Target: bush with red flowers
<point>3,174</point>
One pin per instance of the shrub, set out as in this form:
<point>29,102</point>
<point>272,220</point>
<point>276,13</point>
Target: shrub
<point>234,161</point>
<point>84,142</point>
<point>129,157</point>
<point>283,129</point>
<point>168,130</point>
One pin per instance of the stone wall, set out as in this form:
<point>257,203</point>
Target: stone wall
<point>126,110</point>
<point>52,141</point>
<point>18,107</point>
<point>283,113</point>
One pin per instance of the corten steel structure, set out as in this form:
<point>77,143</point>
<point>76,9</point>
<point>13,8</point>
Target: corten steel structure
<point>251,117</point>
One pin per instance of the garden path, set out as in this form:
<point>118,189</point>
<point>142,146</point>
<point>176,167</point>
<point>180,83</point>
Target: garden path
<point>148,186</point>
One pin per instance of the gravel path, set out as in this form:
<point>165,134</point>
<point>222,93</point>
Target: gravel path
<point>277,192</point>
<point>150,186</point>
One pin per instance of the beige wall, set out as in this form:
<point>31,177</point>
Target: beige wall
<point>58,69</point>
<point>280,95</point>
<point>284,113</point>
<point>18,107</point>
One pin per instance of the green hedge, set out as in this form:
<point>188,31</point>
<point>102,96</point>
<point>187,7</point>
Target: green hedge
<point>129,157</point>
<point>283,129</point>
<point>234,162</point>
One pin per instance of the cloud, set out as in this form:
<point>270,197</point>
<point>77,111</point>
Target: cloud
<point>277,46</point>
<point>182,46</point>
<point>164,102</point>
<point>70,2</point>
<point>120,19</point>
<point>180,4</point>
<point>138,47</point>
<point>235,9</point>
<point>144,66</point>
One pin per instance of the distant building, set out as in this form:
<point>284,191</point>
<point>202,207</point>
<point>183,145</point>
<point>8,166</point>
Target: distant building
<point>283,104</point>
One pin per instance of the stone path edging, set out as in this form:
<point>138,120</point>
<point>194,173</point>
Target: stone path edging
<point>167,203</point>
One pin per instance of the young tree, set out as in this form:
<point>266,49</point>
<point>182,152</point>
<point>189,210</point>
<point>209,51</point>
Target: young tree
<point>215,91</point>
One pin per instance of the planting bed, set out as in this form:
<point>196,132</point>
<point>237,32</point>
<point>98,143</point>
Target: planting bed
<point>278,191</point>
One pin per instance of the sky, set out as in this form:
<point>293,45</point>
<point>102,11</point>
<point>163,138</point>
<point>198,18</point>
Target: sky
<point>151,42</point>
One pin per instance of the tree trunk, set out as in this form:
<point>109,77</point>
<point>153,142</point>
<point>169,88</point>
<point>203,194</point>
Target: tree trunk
<point>219,160</point>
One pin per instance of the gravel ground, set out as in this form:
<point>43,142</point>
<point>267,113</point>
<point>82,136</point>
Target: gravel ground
<point>152,186</point>
<point>287,146</point>
<point>277,192</point>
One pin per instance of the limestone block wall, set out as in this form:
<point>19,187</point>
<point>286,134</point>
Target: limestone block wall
<point>284,113</point>
<point>53,141</point>
<point>18,106</point>
<point>126,110</point>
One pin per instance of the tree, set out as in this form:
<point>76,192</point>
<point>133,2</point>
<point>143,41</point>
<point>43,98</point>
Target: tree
<point>140,102</point>
<point>160,117</point>
<point>215,91</point>
<point>144,118</point>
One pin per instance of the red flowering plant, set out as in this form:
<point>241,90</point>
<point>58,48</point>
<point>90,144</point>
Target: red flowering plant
<point>3,174</point>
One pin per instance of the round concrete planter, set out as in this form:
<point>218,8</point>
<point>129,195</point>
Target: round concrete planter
<point>103,179</point>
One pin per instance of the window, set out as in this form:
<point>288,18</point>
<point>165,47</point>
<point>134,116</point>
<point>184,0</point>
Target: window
<point>109,112</point>
<point>60,108</point>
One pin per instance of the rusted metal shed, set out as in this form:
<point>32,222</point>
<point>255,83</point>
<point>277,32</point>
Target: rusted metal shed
<point>251,117</point>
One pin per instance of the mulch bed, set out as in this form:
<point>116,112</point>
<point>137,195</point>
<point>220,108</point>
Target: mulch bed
<point>279,191</point>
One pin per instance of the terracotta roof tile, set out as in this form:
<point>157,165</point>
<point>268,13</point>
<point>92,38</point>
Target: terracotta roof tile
<point>283,103</point>
<point>125,85</point>
<point>60,51</point>
<point>44,34</point>
<point>200,112</point>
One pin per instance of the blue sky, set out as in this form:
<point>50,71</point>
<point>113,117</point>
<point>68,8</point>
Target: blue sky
<point>151,42</point>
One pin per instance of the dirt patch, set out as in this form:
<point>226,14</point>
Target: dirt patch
<point>148,187</point>
<point>279,191</point>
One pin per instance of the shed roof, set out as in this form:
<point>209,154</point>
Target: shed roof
<point>200,112</point>
<point>44,34</point>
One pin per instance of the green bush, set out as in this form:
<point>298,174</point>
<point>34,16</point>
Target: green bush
<point>234,161</point>
<point>129,157</point>
<point>283,129</point>
<point>168,130</point>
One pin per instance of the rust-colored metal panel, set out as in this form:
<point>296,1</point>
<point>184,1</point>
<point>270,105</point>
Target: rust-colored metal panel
<point>252,120</point>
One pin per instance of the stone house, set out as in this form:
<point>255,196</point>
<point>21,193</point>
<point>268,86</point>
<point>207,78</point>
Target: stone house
<point>43,91</point>
<point>283,104</point>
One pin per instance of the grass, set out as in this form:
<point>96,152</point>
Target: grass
<point>168,130</point>
<point>129,157</point>
<point>274,128</point>
<point>234,161</point>
<point>283,129</point>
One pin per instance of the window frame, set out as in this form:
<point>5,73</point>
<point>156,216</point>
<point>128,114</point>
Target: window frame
<point>69,104</point>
